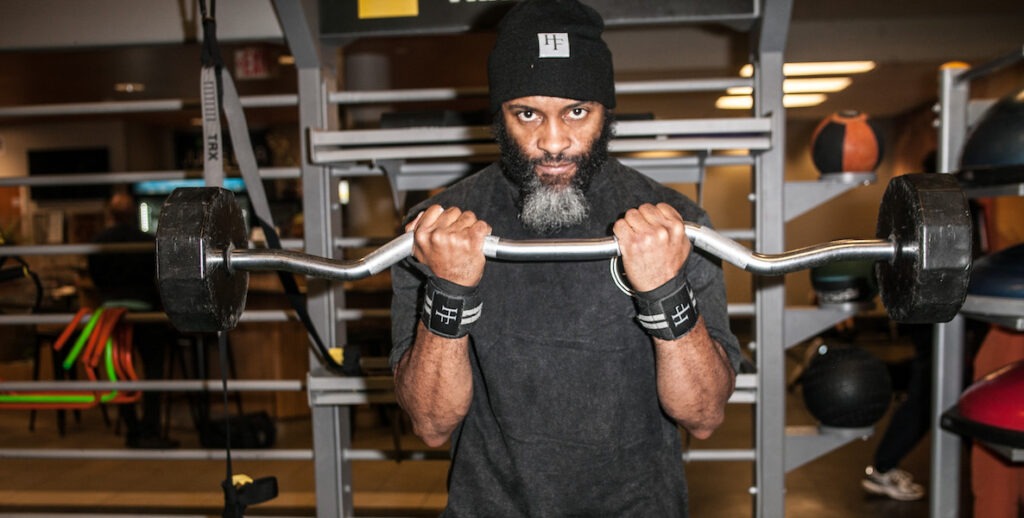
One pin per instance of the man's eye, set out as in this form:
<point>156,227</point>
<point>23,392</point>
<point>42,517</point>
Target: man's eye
<point>527,116</point>
<point>578,113</point>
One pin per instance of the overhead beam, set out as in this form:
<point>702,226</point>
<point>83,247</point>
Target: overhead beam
<point>54,24</point>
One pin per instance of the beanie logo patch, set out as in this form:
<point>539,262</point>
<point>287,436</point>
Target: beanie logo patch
<point>553,44</point>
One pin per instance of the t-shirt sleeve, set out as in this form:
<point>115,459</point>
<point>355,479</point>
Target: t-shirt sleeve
<point>704,273</point>
<point>407,279</point>
<point>406,285</point>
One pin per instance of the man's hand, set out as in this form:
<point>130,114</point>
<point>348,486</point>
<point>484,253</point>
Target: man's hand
<point>433,380</point>
<point>695,378</point>
<point>450,242</point>
<point>653,243</point>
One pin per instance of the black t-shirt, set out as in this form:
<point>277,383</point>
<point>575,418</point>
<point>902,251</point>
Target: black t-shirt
<point>125,275</point>
<point>565,418</point>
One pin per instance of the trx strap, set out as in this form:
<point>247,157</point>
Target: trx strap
<point>240,491</point>
<point>227,99</point>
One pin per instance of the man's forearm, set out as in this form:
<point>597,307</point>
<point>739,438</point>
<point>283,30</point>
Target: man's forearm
<point>434,384</point>
<point>695,380</point>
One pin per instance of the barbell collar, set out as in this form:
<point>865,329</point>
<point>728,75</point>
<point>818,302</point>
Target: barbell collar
<point>703,238</point>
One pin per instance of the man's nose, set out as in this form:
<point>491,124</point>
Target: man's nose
<point>554,137</point>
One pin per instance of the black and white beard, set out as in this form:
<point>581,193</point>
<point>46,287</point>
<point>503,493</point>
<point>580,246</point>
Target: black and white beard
<point>548,204</point>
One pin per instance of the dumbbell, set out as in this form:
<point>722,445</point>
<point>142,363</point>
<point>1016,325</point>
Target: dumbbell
<point>922,253</point>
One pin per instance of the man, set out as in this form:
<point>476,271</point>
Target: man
<point>129,279</point>
<point>560,393</point>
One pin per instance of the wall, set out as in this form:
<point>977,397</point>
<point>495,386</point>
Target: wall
<point>115,22</point>
<point>19,140</point>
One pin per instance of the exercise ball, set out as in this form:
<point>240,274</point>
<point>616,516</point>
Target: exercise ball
<point>1000,274</point>
<point>998,137</point>
<point>846,387</point>
<point>992,408</point>
<point>846,141</point>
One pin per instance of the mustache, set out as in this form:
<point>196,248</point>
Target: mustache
<point>555,160</point>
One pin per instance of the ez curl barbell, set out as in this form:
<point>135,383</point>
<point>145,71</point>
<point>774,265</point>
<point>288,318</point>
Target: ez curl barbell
<point>922,254</point>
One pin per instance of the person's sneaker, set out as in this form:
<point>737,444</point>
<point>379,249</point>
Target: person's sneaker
<point>895,483</point>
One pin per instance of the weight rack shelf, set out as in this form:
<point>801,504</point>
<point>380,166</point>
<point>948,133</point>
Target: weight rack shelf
<point>1016,189</point>
<point>1002,311</point>
<point>408,156</point>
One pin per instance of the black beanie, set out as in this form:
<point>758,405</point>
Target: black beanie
<point>551,48</point>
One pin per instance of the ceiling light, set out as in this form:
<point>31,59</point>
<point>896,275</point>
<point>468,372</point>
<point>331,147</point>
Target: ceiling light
<point>801,86</point>
<point>344,192</point>
<point>815,85</point>
<point>802,100</point>
<point>821,68</point>
<point>286,60</point>
<point>746,102</point>
<point>129,87</point>
<point>827,68</point>
<point>740,90</point>
<point>734,102</point>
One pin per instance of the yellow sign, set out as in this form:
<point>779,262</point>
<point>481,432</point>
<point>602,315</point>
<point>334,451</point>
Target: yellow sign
<point>388,8</point>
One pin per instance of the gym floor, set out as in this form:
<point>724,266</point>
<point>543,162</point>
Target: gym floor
<point>828,486</point>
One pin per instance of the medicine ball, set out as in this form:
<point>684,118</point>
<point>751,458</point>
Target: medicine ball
<point>846,387</point>
<point>846,141</point>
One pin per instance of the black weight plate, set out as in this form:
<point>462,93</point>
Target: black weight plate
<point>195,222</point>
<point>928,217</point>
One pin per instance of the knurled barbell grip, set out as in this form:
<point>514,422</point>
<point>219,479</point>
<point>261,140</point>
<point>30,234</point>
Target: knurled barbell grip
<point>703,238</point>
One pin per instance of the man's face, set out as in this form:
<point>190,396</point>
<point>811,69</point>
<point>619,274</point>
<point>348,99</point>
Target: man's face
<point>551,147</point>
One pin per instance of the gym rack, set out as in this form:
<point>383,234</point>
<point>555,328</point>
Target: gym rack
<point>776,449</point>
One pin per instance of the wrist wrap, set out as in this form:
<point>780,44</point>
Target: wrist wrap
<point>668,311</point>
<point>449,309</point>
